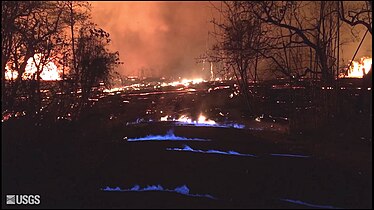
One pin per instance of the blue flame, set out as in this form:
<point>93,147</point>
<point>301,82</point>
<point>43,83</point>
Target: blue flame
<point>290,155</point>
<point>238,126</point>
<point>153,188</point>
<point>308,204</point>
<point>168,137</point>
<point>184,190</point>
<point>189,149</point>
<point>135,188</point>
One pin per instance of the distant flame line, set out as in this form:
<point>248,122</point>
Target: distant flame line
<point>309,204</point>
<point>184,190</point>
<point>201,121</point>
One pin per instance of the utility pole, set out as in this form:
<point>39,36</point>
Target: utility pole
<point>358,48</point>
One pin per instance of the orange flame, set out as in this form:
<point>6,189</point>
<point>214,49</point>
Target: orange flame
<point>10,74</point>
<point>184,119</point>
<point>359,69</point>
<point>50,72</point>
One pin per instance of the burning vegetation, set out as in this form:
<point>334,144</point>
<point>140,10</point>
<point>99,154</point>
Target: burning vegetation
<point>358,69</point>
<point>48,71</point>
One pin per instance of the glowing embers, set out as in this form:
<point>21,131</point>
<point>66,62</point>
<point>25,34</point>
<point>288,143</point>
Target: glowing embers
<point>7,115</point>
<point>113,90</point>
<point>201,121</point>
<point>186,148</point>
<point>184,190</point>
<point>170,136</point>
<point>308,204</point>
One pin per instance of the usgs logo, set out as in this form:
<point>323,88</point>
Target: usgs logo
<point>23,199</point>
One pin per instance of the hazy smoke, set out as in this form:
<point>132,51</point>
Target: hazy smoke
<point>164,38</point>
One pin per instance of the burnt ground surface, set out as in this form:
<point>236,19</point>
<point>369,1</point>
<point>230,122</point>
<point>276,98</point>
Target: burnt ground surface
<point>68,163</point>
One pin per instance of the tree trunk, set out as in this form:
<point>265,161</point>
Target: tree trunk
<point>325,70</point>
<point>18,80</point>
<point>3,92</point>
<point>72,36</point>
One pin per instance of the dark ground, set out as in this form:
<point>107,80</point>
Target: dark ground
<point>68,163</point>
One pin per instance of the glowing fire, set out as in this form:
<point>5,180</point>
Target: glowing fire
<point>359,69</point>
<point>49,71</point>
<point>201,121</point>
<point>184,119</point>
<point>184,82</point>
<point>9,74</point>
<point>137,86</point>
